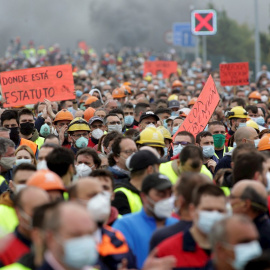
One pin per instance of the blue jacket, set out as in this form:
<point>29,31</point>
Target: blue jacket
<point>138,229</point>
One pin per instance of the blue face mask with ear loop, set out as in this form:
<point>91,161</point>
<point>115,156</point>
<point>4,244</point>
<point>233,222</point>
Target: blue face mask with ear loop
<point>82,142</point>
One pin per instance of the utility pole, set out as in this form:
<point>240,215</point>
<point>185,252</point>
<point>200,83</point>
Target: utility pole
<point>257,40</point>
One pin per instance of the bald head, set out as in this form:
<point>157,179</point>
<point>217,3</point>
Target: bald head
<point>245,135</point>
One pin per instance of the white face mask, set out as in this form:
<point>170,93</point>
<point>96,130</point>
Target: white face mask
<point>82,170</point>
<point>117,128</point>
<point>19,187</point>
<point>42,165</point>
<point>97,133</point>
<point>7,162</point>
<point>100,206</point>
<point>163,208</point>
<point>268,181</point>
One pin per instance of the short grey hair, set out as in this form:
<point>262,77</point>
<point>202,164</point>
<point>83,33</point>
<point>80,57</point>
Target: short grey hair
<point>4,144</point>
<point>3,129</point>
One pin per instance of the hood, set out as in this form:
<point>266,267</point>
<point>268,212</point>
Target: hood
<point>118,176</point>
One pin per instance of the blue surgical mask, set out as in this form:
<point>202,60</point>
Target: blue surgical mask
<point>129,119</point>
<point>165,123</point>
<point>207,219</point>
<point>242,125</point>
<point>244,253</point>
<point>177,149</point>
<point>260,121</point>
<point>45,130</point>
<point>256,142</point>
<point>80,252</point>
<point>70,109</point>
<point>174,113</point>
<point>23,160</point>
<point>234,145</point>
<point>165,151</point>
<point>39,114</point>
<point>78,93</point>
<point>198,85</point>
<point>206,128</point>
<point>268,126</point>
<point>208,151</point>
<point>174,130</point>
<point>82,142</point>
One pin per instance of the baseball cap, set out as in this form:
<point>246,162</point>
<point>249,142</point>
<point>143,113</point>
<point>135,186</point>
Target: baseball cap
<point>95,118</point>
<point>157,181</point>
<point>174,104</point>
<point>141,160</point>
<point>171,118</point>
<point>148,114</point>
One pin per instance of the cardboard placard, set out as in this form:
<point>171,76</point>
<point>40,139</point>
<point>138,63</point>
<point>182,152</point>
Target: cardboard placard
<point>28,86</point>
<point>202,110</point>
<point>166,67</point>
<point>234,74</point>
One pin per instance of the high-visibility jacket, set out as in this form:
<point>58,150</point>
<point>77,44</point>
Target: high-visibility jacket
<point>166,169</point>
<point>8,219</point>
<point>226,149</point>
<point>134,200</point>
<point>2,179</point>
<point>31,144</point>
<point>39,141</point>
<point>15,266</point>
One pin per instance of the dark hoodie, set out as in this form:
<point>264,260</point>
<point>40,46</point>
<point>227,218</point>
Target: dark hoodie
<point>120,200</point>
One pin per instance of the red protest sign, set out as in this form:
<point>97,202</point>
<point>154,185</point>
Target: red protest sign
<point>28,86</point>
<point>166,67</point>
<point>234,74</point>
<point>202,110</point>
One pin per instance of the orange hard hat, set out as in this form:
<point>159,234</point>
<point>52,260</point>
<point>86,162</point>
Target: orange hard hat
<point>84,97</point>
<point>46,180</point>
<point>88,113</point>
<point>128,89</point>
<point>177,83</point>
<point>127,83</point>
<point>119,92</point>
<point>192,101</point>
<point>264,143</point>
<point>90,100</point>
<point>63,115</point>
<point>255,95</point>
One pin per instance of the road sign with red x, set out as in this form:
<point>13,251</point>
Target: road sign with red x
<point>204,22</point>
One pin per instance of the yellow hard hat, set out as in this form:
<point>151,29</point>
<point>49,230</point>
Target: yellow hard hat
<point>77,124</point>
<point>251,123</point>
<point>237,112</point>
<point>173,97</point>
<point>165,132</point>
<point>151,136</point>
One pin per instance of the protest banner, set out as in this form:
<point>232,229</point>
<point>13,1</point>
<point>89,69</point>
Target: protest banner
<point>234,74</point>
<point>202,110</point>
<point>28,86</point>
<point>166,67</point>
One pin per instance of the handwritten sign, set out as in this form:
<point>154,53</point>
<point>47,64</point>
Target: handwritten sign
<point>28,86</point>
<point>166,67</point>
<point>202,110</point>
<point>234,74</point>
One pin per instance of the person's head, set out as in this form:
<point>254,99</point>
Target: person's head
<point>177,122</point>
<point>252,111</point>
<point>62,120</point>
<point>246,135</point>
<point>96,123</point>
<point>208,206</point>
<point>163,113</point>
<point>234,241</point>
<point>191,159</point>
<point>22,173</point>
<point>249,198</point>
<point>100,113</point>
<point>66,225</point>
<point>112,123</point>
<point>52,139</point>
<point>120,115</point>
<point>7,154</point>
<point>250,165</point>
<point>148,118</point>
<point>128,113</point>
<point>25,202</point>
<point>182,139</point>
<point>24,154</point>
<point>217,129</point>
<point>44,151</point>
<point>238,102</point>
<point>106,144</point>
<point>48,181</point>
<point>4,132</point>
<point>26,122</point>
<point>140,109</point>
<point>155,193</point>
<point>205,140</point>
<point>88,157</point>
<point>61,161</point>
<point>9,119</point>
<point>184,187</point>
<point>122,148</point>
<point>110,105</point>
<point>238,117</point>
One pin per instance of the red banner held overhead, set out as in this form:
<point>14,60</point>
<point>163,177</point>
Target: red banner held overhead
<point>202,110</point>
<point>166,67</point>
<point>28,86</point>
<point>234,74</point>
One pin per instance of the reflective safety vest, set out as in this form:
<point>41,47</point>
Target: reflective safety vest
<point>134,200</point>
<point>39,141</point>
<point>31,144</point>
<point>15,266</point>
<point>167,169</point>
<point>226,191</point>
<point>226,149</point>
<point>8,219</point>
<point>2,179</point>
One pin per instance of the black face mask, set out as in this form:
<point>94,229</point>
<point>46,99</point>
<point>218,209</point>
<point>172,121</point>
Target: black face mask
<point>27,128</point>
<point>14,135</point>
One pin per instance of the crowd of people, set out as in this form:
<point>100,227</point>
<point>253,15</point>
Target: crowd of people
<point>107,180</point>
